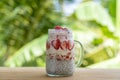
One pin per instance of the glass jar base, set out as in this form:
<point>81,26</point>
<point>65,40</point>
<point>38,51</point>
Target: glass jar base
<point>54,75</point>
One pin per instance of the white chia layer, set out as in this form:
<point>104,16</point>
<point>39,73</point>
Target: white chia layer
<point>55,67</point>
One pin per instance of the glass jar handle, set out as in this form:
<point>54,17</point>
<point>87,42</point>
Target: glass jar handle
<point>79,54</point>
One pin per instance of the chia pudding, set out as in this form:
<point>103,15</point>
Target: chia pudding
<point>60,52</point>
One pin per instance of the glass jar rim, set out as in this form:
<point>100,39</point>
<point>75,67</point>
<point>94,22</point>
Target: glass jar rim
<point>60,31</point>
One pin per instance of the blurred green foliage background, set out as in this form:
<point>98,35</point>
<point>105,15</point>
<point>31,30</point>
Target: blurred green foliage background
<point>24,25</point>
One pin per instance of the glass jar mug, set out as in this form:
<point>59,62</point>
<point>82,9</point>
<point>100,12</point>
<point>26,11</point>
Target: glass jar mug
<point>61,49</point>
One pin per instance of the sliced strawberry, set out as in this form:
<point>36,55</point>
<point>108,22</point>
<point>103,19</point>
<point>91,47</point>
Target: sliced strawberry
<point>51,57</point>
<point>47,45</point>
<point>70,45</point>
<point>56,44</point>
<point>67,56</point>
<point>58,27</point>
<point>69,53</point>
<point>58,57</point>
<point>64,45</point>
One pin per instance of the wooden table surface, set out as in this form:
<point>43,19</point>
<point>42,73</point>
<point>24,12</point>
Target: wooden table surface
<point>35,73</point>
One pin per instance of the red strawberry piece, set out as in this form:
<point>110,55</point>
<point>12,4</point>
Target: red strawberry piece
<point>62,56</point>
<point>64,45</point>
<point>58,27</point>
<point>47,45</point>
<point>69,53</point>
<point>56,44</point>
<point>58,58</point>
<point>70,45</point>
<point>67,56</point>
